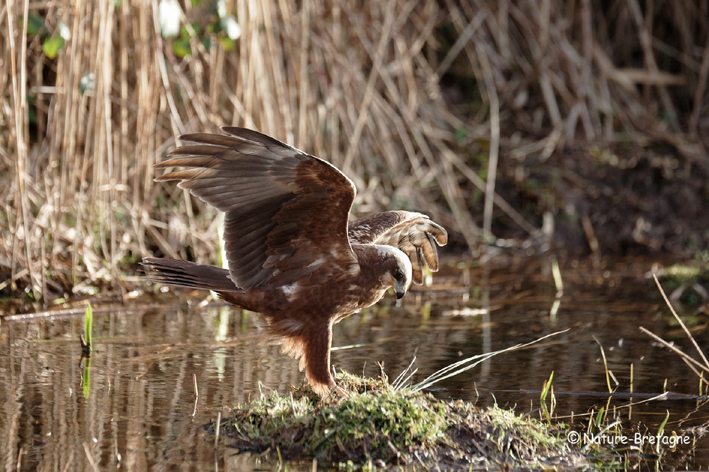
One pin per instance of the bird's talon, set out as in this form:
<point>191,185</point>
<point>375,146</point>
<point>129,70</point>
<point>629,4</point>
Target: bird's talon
<point>340,393</point>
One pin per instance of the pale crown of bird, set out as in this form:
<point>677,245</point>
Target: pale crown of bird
<point>402,261</point>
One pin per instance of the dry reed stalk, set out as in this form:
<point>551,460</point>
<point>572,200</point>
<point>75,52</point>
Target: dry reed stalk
<point>649,57</point>
<point>494,140</point>
<point>700,91</point>
<point>404,95</point>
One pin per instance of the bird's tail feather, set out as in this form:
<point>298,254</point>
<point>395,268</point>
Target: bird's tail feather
<point>187,274</point>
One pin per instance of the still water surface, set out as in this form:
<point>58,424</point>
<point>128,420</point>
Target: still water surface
<point>140,411</point>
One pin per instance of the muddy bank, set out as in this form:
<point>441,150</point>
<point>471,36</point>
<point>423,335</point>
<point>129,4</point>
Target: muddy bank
<point>611,199</point>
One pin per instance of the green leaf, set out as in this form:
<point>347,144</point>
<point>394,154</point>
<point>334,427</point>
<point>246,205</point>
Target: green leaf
<point>599,417</point>
<point>34,23</point>
<point>227,43</point>
<point>206,42</point>
<point>53,45</point>
<point>88,324</point>
<point>460,134</point>
<point>86,378</point>
<point>181,47</point>
<point>185,32</point>
<point>660,432</point>
<point>547,386</point>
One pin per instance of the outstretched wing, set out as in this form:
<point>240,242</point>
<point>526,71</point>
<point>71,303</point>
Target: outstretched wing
<point>413,233</point>
<point>286,211</point>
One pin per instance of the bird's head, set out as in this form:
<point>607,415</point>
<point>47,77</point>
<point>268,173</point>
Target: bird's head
<point>396,269</point>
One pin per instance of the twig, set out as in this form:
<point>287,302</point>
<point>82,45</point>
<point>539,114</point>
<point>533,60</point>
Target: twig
<point>681,323</point>
<point>219,423</point>
<point>374,74</point>
<point>88,456</point>
<point>699,91</point>
<point>460,366</point>
<point>674,349</point>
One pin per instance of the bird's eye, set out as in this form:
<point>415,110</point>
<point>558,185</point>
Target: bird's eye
<point>399,274</point>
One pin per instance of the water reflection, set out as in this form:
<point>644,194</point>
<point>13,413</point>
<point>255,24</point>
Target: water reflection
<point>143,412</point>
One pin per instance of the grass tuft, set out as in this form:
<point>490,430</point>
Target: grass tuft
<point>385,425</point>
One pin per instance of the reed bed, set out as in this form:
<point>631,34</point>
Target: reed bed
<point>415,100</point>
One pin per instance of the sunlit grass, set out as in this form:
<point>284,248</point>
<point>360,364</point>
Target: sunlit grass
<point>381,423</point>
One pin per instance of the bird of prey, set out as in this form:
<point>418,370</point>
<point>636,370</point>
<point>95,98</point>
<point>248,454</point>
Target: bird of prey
<point>292,253</point>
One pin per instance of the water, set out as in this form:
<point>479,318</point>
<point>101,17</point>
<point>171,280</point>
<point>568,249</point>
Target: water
<point>139,409</point>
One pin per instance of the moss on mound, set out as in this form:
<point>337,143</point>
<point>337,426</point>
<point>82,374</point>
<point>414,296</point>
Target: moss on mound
<point>381,425</point>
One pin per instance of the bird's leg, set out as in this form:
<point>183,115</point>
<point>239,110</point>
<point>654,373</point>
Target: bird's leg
<point>318,340</point>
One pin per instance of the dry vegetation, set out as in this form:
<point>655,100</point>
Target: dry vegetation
<point>415,100</point>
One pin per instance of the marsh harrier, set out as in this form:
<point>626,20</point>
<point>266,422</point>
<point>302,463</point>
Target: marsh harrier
<point>292,253</point>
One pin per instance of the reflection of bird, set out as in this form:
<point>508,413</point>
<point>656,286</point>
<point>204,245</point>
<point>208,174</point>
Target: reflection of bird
<point>292,254</point>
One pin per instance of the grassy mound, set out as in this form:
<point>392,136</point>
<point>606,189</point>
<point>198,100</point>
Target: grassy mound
<point>381,425</point>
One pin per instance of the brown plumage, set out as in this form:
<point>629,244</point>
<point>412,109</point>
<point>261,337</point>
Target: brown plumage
<point>292,254</point>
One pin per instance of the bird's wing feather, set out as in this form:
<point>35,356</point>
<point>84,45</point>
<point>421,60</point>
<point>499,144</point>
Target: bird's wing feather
<point>413,233</point>
<point>286,211</point>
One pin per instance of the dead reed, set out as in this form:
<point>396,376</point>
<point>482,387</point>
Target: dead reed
<point>404,96</point>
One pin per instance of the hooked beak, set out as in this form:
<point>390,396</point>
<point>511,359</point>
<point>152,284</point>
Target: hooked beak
<point>400,290</point>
